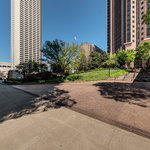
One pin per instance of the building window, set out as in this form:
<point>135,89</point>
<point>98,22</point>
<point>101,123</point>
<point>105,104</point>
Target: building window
<point>148,25</point>
<point>128,20</point>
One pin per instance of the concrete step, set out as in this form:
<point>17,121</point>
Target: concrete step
<point>130,76</point>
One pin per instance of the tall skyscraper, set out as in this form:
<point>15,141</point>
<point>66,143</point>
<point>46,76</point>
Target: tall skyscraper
<point>25,31</point>
<point>125,29</point>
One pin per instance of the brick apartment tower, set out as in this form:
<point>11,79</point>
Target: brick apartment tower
<point>124,24</point>
<point>25,31</point>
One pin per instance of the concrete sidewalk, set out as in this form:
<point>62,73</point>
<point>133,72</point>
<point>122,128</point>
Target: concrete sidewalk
<point>122,104</point>
<point>63,129</point>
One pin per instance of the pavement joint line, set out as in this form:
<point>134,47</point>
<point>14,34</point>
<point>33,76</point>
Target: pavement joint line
<point>36,95</point>
<point>112,136</point>
<point>123,126</point>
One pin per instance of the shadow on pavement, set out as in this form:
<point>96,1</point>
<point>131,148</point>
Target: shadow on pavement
<point>56,98</point>
<point>125,92</point>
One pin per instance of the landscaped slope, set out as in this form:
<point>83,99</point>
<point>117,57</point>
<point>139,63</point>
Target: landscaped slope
<point>102,74</point>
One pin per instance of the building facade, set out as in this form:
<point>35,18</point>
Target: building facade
<point>88,48</point>
<point>4,68</point>
<point>125,29</point>
<point>25,31</point>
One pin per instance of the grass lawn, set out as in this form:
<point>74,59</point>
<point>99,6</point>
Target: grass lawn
<point>102,74</point>
<point>92,75</point>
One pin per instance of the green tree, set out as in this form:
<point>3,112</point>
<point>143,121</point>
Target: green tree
<point>130,56</point>
<point>121,56</point>
<point>146,17</point>
<point>28,68</point>
<point>51,52</point>
<point>125,57</point>
<point>81,62</point>
<point>142,52</point>
<point>60,55</point>
<point>110,63</point>
<point>43,67</point>
<point>96,59</point>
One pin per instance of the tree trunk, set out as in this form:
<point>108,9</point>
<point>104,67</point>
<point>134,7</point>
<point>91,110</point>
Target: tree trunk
<point>109,72</point>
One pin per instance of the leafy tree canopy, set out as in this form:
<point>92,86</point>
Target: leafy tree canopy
<point>111,61</point>
<point>146,17</point>
<point>28,68</point>
<point>96,59</point>
<point>143,51</point>
<point>60,55</point>
<point>81,62</point>
<point>125,57</point>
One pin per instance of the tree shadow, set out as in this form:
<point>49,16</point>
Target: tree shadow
<point>55,99</point>
<point>125,92</point>
<point>143,76</point>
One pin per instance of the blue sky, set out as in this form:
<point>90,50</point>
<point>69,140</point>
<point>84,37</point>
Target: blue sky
<point>62,19</point>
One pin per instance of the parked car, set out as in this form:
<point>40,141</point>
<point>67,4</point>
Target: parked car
<point>1,80</point>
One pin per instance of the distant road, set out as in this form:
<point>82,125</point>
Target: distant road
<point>11,98</point>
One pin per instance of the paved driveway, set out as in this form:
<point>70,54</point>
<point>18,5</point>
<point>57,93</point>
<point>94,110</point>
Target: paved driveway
<point>12,100</point>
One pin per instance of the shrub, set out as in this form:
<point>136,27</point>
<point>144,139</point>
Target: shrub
<point>14,81</point>
<point>40,76</point>
<point>73,77</point>
<point>41,81</point>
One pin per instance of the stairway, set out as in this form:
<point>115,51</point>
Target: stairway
<point>130,77</point>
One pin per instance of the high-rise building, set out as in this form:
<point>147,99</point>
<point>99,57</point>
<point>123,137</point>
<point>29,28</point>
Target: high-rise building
<point>25,31</point>
<point>125,29</point>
